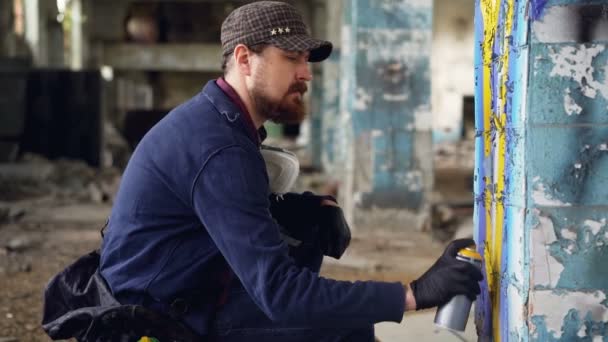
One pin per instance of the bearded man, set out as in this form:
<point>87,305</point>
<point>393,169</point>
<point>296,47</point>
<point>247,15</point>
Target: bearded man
<point>192,232</point>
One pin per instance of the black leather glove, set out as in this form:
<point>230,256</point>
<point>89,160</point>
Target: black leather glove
<point>334,232</point>
<point>447,278</point>
<point>304,219</point>
<point>296,212</point>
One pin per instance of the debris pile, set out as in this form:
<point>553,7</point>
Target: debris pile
<point>455,155</point>
<point>449,223</point>
<point>12,257</point>
<point>65,181</point>
<point>116,151</point>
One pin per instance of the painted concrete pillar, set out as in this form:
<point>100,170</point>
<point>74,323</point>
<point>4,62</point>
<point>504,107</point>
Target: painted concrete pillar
<point>12,44</point>
<point>315,122</point>
<point>541,175</point>
<point>77,55</point>
<point>330,114</point>
<point>35,32</point>
<point>385,120</point>
<point>43,32</point>
<point>330,97</point>
<point>326,89</point>
<point>6,21</point>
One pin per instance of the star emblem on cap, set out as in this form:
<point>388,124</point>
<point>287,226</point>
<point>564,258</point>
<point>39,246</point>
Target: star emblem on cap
<point>280,30</point>
<point>273,32</point>
<point>287,30</point>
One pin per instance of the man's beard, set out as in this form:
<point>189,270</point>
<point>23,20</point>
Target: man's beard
<point>288,111</point>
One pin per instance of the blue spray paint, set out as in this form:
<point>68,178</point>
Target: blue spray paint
<point>536,8</point>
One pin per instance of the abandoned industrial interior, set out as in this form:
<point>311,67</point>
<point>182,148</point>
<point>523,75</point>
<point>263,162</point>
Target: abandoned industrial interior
<point>431,121</point>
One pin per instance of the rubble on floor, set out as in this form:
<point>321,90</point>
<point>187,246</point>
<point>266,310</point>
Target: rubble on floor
<point>62,180</point>
<point>116,152</point>
<point>455,154</point>
<point>452,198</point>
<point>451,222</point>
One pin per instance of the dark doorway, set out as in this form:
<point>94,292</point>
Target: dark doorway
<point>468,117</point>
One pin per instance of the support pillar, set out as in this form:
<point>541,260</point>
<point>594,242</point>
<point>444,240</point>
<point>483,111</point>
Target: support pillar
<point>35,32</point>
<point>6,24</point>
<point>326,89</point>
<point>541,169</point>
<point>43,33</point>
<point>318,29</point>
<point>386,143</point>
<point>76,36</point>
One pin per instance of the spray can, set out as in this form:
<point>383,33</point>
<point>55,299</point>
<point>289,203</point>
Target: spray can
<point>455,313</point>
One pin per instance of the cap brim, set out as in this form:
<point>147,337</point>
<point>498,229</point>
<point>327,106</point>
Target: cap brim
<point>319,49</point>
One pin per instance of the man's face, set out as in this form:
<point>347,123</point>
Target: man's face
<point>278,83</point>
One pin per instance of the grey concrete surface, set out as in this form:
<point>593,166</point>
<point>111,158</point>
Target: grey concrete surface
<point>419,327</point>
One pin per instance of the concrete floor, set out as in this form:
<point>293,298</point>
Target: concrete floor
<point>396,256</point>
<point>50,231</point>
<point>419,327</point>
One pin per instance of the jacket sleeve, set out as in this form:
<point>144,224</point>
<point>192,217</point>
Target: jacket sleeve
<point>230,196</point>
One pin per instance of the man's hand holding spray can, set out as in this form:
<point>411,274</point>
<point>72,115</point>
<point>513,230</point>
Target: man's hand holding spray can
<point>452,283</point>
<point>455,313</point>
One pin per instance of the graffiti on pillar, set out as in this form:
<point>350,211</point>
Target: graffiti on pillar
<point>541,169</point>
<point>536,8</point>
<point>496,135</point>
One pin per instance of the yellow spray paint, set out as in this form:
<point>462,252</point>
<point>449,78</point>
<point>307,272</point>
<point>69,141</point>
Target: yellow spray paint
<point>501,150</point>
<point>489,12</point>
<point>495,122</point>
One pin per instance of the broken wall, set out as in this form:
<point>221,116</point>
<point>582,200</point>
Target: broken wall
<point>540,175</point>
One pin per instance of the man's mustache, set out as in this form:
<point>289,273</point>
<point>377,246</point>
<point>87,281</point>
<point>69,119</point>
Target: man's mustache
<point>299,87</point>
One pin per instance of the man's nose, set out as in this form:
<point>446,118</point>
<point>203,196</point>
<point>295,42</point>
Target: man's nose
<point>304,72</point>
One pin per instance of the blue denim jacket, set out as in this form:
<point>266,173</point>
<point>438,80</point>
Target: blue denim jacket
<point>195,193</point>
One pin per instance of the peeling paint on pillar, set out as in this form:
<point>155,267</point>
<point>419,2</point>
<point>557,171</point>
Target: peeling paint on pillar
<point>568,105</point>
<point>541,213</point>
<point>570,249</point>
<point>389,101</point>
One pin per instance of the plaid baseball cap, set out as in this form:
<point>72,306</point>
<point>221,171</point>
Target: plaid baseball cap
<point>271,22</point>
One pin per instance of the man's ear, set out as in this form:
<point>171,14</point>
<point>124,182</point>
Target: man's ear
<point>242,59</point>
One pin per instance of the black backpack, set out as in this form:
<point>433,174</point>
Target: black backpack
<point>79,304</point>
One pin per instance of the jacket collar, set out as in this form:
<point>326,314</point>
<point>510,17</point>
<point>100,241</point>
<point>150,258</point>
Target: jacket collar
<point>233,112</point>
